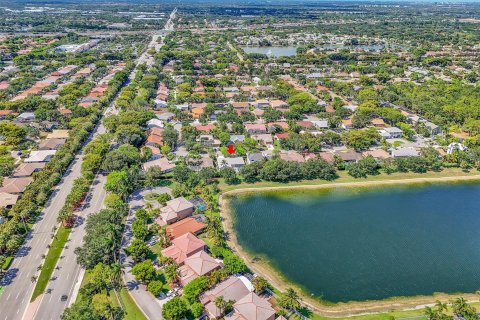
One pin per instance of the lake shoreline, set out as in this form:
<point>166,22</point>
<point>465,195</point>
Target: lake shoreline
<point>341,309</point>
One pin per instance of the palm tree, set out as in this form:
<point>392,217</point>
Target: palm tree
<point>290,299</point>
<point>441,306</point>
<point>221,304</point>
<point>116,274</point>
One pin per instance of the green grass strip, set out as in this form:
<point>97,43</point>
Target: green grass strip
<point>132,311</point>
<point>50,261</point>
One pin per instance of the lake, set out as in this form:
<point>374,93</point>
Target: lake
<point>272,51</point>
<point>366,243</point>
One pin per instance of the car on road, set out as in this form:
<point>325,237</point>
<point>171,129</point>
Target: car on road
<point>64,297</point>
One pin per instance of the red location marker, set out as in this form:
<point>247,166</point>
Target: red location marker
<point>231,150</point>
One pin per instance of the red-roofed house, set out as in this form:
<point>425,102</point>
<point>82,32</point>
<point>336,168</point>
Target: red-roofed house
<point>198,264</point>
<point>205,128</point>
<point>183,247</point>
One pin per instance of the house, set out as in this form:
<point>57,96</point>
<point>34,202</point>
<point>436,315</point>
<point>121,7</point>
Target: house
<point>378,154</point>
<point>272,125</point>
<point>240,105</point>
<point>7,200</point>
<point>154,140</point>
<point>208,141</point>
<point>58,134</point>
<point>349,155</point>
<point>255,128</point>
<point>26,117</point>
<point>391,133</point>
<point>182,107</point>
<point>347,124</point>
<point>327,156</point>
<point>15,185</point>
<point>183,247</point>
<point>351,107</point>
<point>254,157</point>
<point>405,152</point>
<point>196,164</point>
<point>205,128</point>
<point>41,156</point>
<point>187,225</point>
<point>283,135</point>
<point>156,153</point>
<point>265,138</point>
<point>175,210</point>
<point>51,144</point>
<point>197,112</point>
<point>154,123</point>
<point>27,169</point>
<point>237,137</point>
<point>235,163</point>
<point>198,264</point>
<point>305,124</point>
<point>160,104</point>
<point>233,288</point>
<point>278,104</point>
<point>162,163</point>
<point>252,307</point>
<point>166,116</point>
<point>261,104</point>
<point>320,124</point>
<point>258,113</point>
<point>378,122</point>
<point>432,128</point>
<point>231,89</point>
<point>292,156</point>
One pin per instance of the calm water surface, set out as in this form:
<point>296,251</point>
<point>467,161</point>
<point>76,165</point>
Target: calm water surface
<point>362,244</point>
<point>272,51</point>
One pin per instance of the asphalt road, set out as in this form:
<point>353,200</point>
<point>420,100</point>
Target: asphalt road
<point>151,306</point>
<point>65,278</point>
<point>17,281</point>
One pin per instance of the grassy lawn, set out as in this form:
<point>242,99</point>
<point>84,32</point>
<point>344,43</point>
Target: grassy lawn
<point>408,314</point>
<point>132,312</point>
<point>51,261</point>
<point>345,178</point>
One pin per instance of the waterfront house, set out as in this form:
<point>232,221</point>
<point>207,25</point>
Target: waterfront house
<point>235,163</point>
<point>175,210</point>
<point>184,226</point>
<point>405,152</point>
<point>183,247</point>
<point>198,264</point>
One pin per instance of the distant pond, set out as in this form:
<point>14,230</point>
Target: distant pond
<point>272,51</point>
<point>363,243</point>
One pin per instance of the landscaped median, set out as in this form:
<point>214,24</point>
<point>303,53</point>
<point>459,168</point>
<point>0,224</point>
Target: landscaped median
<point>56,248</point>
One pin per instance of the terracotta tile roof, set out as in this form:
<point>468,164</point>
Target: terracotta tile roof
<point>252,307</point>
<point>183,247</point>
<point>184,226</point>
<point>15,185</point>
<point>26,169</point>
